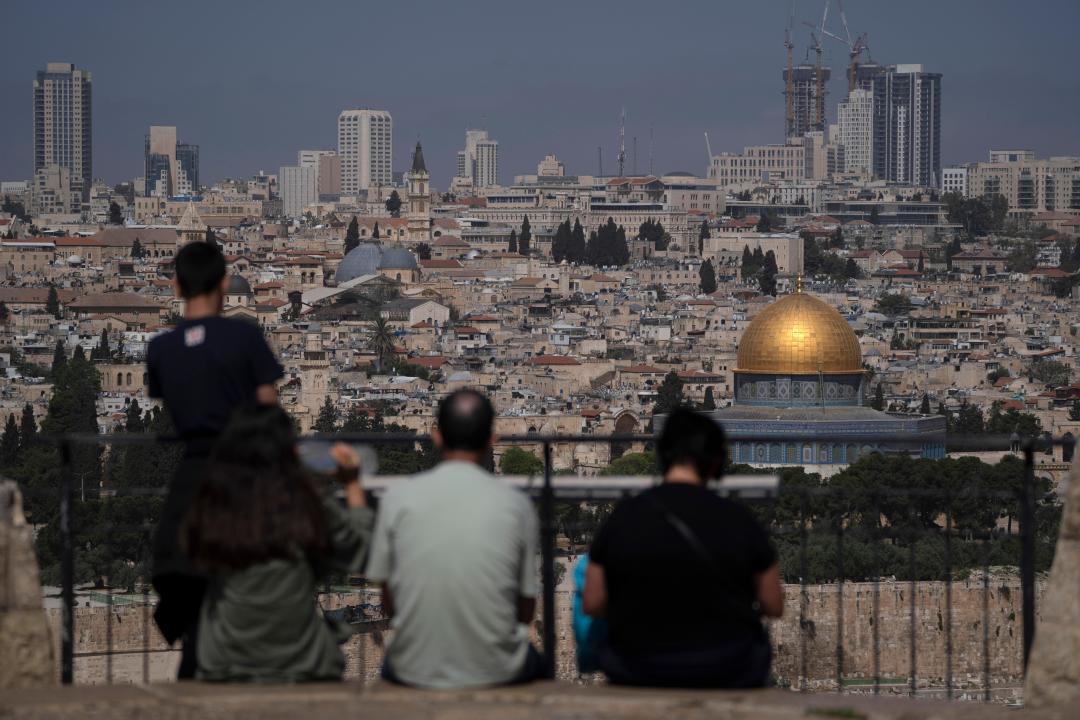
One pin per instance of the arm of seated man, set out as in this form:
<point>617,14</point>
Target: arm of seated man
<point>769,591</point>
<point>594,596</point>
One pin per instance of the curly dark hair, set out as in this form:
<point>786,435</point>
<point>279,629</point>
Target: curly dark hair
<point>256,502</point>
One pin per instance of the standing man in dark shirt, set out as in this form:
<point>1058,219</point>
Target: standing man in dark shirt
<point>705,555</point>
<point>203,370</point>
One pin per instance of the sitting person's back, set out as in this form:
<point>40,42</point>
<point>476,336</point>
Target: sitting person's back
<point>264,536</point>
<point>455,549</point>
<point>705,558</point>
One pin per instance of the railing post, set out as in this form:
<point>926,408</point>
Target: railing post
<point>547,549</point>
<point>1027,548</point>
<point>67,568</point>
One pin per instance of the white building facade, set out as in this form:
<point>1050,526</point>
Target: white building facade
<point>298,189</point>
<point>366,148</point>
<point>856,123</point>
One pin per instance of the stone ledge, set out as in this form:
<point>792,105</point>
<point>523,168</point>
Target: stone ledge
<point>181,701</point>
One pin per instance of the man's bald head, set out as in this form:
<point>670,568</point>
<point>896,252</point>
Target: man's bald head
<point>466,418</point>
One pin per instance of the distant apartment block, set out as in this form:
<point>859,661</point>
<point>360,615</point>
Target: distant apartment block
<point>805,99</point>
<point>298,189</point>
<point>955,180</point>
<point>365,146</point>
<point>478,163</point>
<point>757,164</point>
<point>327,164</point>
<point>63,123</point>
<point>856,131</point>
<point>171,167</point>
<point>1029,185</point>
<point>54,193</point>
<point>907,125</point>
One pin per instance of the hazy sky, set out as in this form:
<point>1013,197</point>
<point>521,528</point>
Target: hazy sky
<point>253,82</point>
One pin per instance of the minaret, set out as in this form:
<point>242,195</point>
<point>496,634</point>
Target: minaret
<point>419,198</point>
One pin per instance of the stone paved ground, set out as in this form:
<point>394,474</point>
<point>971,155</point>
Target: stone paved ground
<point>561,701</point>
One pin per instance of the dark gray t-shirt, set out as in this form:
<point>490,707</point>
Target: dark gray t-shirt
<point>457,547</point>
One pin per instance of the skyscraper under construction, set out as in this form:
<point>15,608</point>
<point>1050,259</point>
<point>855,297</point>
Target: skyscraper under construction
<point>806,105</point>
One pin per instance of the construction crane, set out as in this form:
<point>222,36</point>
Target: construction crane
<point>789,80</point>
<point>622,143</point>
<point>819,79</point>
<point>708,149</point>
<point>855,46</point>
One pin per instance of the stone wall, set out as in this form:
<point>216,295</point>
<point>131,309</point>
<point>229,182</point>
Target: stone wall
<point>364,651</point>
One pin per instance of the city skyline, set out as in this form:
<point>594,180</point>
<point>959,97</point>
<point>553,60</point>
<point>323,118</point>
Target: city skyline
<point>250,115</point>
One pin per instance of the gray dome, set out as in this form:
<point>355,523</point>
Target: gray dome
<point>361,260</point>
<point>369,258</point>
<point>397,259</point>
<point>238,286</point>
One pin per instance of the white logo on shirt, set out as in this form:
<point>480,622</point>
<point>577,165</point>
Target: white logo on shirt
<point>194,336</point>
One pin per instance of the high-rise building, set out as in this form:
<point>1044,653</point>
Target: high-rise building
<point>172,167</point>
<point>1029,185</point>
<point>298,188</point>
<point>856,130</point>
<point>63,127</point>
<point>808,110</point>
<point>365,144</point>
<point>907,125</point>
<point>327,164</point>
<point>479,161</point>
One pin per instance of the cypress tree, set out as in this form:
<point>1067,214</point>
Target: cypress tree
<point>27,427</point>
<point>352,235</point>
<point>525,238</point>
<point>9,442</point>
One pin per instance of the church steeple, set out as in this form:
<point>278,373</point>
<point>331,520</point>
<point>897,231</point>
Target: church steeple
<point>418,159</point>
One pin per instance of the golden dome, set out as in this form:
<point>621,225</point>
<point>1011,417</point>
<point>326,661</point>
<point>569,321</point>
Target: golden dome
<point>799,334</point>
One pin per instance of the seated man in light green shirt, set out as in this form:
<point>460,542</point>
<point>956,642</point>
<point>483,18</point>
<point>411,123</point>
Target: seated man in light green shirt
<point>456,552</point>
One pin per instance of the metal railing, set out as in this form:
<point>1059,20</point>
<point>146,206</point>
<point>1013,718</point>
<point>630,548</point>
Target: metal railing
<point>768,500</point>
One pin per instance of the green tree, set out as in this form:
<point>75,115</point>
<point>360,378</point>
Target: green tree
<point>102,351</point>
<point>710,402</point>
<point>211,237</point>
<point>1049,372</point>
<point>707,277</point>
<point>59,357</point>
<point>607,245</point>
<point>767,277</point>
<point>638,463</point>
<point>875,217</point>
<point>969,420</point>
<point>669,395</point>
<point>137,251</point>
<point>512,246</point>
<point>52,302</point>
<point>1074,410</point>
<point>575,251</point>
<point>764,223</point>
<point>560,244</point>
<point>924,408</point>
<point>352,235</point>
<point>517,461</point>
<point>852,270</point>
<point>878,403</point>
<point>893,304</point>
<point>393,204</point>
<point>375,231</point>
<point>27,427</point>
<point>9,443</point>
<point>327,421</point>
<point>116,215</point>
<point>703,235</point>
<point>382,342</point>
<point>4,312</point>
<point>525,238</point>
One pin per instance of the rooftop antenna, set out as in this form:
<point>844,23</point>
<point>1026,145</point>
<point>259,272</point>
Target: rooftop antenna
<point>650,149</point>
<point>600,161</point>
<point>635,155</point>
<point>622,143</point>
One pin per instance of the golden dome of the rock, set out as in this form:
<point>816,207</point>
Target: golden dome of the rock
<point>799,334</point>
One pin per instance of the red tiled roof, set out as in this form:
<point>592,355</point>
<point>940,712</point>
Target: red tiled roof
<point>641,369</point>
<point>440,264</point>
<point>553,360</point>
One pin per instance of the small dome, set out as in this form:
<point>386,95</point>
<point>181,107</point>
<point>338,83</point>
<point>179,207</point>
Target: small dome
<point>394,258</point>
<point>75,260</point>
<point>238,286</point>
<point>799,334</point>
<point>361,260</point>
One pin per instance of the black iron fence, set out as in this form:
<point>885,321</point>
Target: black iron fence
<point>912,529</point>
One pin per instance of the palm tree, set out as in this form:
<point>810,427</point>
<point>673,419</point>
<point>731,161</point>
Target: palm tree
<point>382,341</point>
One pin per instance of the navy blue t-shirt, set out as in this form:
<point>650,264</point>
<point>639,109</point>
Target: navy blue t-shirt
<point>206,368</point>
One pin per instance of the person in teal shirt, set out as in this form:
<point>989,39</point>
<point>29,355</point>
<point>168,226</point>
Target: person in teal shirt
<point>264,535</point>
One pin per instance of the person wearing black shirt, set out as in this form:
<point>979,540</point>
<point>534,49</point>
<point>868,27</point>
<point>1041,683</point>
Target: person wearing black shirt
<point>203,370</point>
<point>683,575</point>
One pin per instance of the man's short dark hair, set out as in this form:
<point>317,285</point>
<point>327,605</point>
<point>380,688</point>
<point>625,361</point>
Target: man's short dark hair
<point>200,268</point>
<point>692,438</point>
<point>466,418</point>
